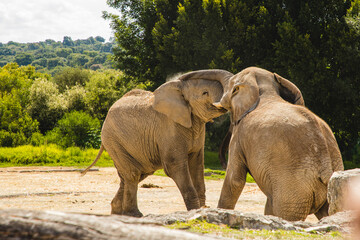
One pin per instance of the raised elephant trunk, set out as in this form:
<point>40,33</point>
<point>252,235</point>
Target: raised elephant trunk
<point>222,76</point>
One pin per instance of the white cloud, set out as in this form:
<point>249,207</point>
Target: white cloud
<point>38,20</point>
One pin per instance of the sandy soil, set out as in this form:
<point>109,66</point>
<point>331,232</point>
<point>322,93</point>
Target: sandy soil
<point>65,190</point>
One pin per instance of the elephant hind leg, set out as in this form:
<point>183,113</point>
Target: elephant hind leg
<point>129,206</point>
<point>292,205</point>
<point>125,200</point>
<point>268,207</point>
<point>116,203</point>
<point>323,211</point>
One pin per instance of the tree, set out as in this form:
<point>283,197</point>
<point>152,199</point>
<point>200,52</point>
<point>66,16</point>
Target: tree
<point>63,52</point>
<point>46,104</point>
<point>315,44</point>
<point>104,88</point>
<point>23,59</point>
<point>76,129</point>
<point>99,39</point>
<point>16,125</point>
<point>67,41</point>
<point>135,54</point>
<point>70,77</point>
<point>78,59</point>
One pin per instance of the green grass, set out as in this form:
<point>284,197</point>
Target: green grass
<point>53,155</point>
<point>203,227</point>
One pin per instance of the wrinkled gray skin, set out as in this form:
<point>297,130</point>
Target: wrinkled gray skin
<point>146,131</point>
<point>290,152</point>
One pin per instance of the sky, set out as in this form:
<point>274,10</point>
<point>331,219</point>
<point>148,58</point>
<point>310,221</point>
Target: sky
<point>26,21</point>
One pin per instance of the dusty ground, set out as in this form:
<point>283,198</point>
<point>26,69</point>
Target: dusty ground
<point>37,189</point>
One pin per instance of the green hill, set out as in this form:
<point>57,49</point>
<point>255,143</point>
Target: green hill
<point>50,56</point>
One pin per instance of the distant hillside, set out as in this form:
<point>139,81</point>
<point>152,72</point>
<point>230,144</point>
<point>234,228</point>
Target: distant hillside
<point>51,56</point>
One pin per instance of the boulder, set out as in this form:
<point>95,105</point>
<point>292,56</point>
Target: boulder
<point>27,224</point>
<point>240,220</point>
<point>344,191</point>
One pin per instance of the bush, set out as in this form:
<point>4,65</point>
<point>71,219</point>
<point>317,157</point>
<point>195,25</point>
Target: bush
<point>104,88</point>
<point>75,97</point>
<point>16,126</point>
<point>47,105</point>
<point>76,129</point>
<point>71,77</point>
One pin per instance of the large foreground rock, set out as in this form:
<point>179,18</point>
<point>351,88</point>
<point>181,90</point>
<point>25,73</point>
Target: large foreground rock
<point>239,220</point>
<point>25,224</point>
<point>344,191</point>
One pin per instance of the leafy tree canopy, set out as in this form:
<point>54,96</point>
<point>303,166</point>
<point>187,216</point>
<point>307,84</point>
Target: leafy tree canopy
<point>315,44</point>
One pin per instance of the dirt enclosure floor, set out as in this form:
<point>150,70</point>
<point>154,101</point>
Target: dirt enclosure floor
<point>63,189</point>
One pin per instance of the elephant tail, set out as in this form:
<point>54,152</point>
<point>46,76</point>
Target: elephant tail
<point>94,162</point>
<point>224,147</point>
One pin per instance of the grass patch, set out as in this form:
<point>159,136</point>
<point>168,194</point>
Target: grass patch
<point>51,155</point>
<point>209,175</point>
<point>203,227</point>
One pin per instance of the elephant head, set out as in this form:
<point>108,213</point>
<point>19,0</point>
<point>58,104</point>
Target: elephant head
<point>243,92</point>
<point>245,89</point>
<point>192,93</point>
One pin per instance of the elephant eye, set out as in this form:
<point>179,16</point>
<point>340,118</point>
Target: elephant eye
<point>235,90</point>
<point>205,93</point>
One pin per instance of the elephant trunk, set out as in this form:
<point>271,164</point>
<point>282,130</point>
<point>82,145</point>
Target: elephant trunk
<point>222,76</point>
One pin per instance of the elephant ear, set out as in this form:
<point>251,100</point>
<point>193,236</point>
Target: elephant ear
<point>168,99</point>
<point>289,91</point>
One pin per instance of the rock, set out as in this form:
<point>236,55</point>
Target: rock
<point>239,220</point>
<point>25,224</point>
<point>341,184</point>
<point>343,221</point>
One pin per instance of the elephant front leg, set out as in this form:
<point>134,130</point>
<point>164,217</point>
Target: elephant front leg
<point>178,170</point>
<point>233,185</point>
<point>196,168</point>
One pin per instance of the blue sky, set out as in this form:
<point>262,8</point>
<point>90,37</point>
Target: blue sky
<point>37,20</point>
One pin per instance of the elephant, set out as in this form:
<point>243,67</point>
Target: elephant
<point>145,131</point>
<point>290,152</point>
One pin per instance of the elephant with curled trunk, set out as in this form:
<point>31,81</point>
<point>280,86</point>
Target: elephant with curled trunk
<point>290,152</point>
<point>146,131</point>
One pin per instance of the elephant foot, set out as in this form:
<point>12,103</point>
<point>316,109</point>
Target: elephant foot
<point>192,205</point>
<point>134,213</point>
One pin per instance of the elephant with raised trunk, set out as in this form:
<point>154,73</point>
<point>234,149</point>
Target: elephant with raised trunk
<point>290,152</point>
<point>146,131</point>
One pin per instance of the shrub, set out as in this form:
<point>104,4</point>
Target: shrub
<point>16,126</point>
<point>76,129</point>
<point>75,98</point>
<point>69,77</point>
<point>47,105</point>
<point>105,87</point>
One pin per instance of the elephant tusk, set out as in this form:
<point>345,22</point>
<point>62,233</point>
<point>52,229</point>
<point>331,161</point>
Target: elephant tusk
<point>218,105</point>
